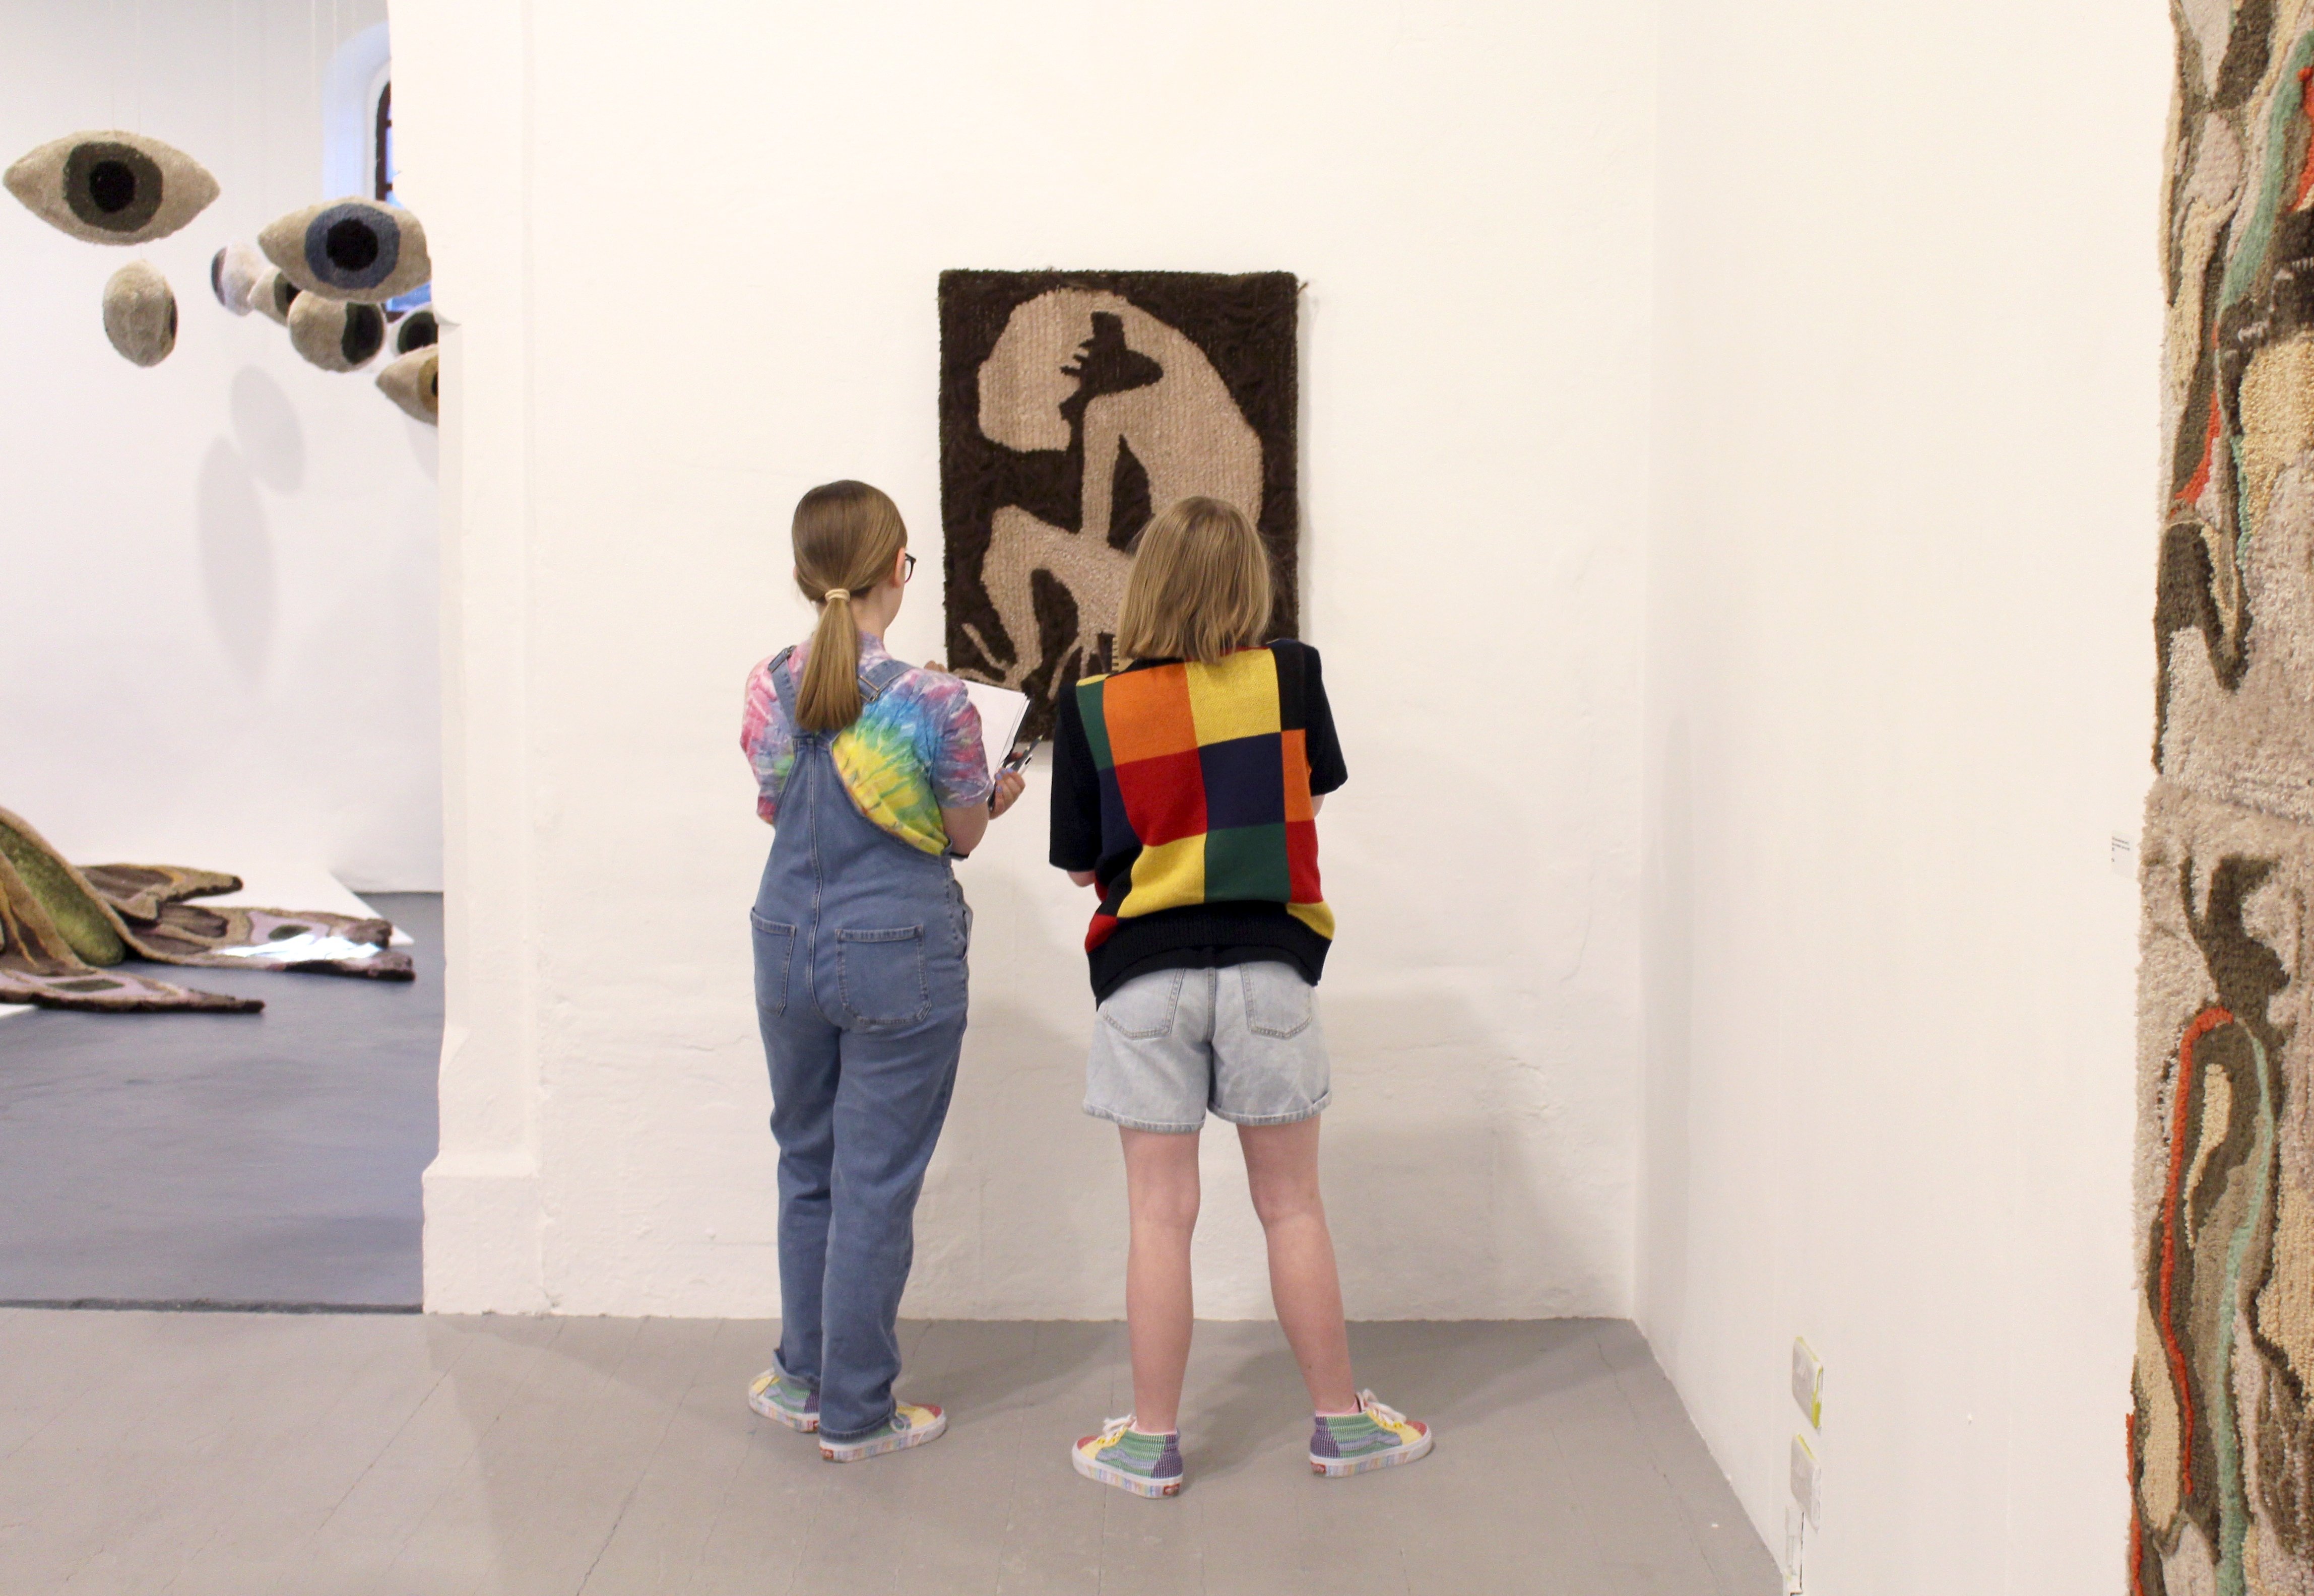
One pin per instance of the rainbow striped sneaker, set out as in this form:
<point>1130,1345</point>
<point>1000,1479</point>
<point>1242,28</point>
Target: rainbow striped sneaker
<point>784,1399</point>
<point>1373,1437</point>
<point>1130,1460</point>
<point>909,1425</point>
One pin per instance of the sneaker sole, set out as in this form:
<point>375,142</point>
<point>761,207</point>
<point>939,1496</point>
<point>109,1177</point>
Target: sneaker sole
<point>1343,1467</point>
<point>858,1450</point>
<point>805,1422</point>
<point>1102,1474</point>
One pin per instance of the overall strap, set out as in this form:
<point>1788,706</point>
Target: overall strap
<point>877,679</point>
<point>874,681</point>
<point>781,686</point>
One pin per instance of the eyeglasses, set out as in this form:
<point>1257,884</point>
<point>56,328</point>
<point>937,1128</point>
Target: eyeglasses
<point>908,569</point>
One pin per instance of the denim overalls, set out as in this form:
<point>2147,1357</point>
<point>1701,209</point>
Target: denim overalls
<point>859,988</point>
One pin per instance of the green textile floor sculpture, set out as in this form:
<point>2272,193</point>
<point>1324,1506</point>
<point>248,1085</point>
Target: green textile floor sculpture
<point>64,931</point>
<point>2222,1432</point>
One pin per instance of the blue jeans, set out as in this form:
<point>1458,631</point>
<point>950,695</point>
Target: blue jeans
<point>860,944</point>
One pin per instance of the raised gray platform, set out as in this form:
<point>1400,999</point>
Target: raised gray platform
<point>264,1157</point>
<point>305,1455</point>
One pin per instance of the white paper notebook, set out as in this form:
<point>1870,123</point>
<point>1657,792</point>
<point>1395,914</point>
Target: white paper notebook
<point>1002,711</point>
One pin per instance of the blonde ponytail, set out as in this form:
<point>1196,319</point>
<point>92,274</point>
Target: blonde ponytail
<point>847,537</point>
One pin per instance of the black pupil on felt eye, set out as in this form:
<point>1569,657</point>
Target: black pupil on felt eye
<point>113,185</point>
<point>352,244</point>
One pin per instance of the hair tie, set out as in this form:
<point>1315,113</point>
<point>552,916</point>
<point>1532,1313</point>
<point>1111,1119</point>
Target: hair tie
<point>833,594</point>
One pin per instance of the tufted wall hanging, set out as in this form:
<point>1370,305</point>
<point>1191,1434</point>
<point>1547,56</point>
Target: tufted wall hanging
<point>1073,405</point>
<point>2221,1434</point>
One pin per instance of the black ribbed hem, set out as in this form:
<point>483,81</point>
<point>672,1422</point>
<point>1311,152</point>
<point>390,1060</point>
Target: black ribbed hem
<point>1206,936</point>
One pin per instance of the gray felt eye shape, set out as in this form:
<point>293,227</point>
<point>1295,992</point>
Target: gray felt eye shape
<point>141,315</point>
<point>414,381</point>
<point>271,295</point>
<point>333,334</point>
<point>349,249</point>
<point>111,188</point>
<point>418,330</point>
<point>234,272</point>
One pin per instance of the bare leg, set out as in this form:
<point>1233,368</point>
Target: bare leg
<point>1161,1182</point>
<point>1281,1165</point>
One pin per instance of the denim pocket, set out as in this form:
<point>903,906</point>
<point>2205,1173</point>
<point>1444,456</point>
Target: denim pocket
<point>774,952</point>
<point>1143,1009</point>
<point>879,975</point>
<point>1277,999</point>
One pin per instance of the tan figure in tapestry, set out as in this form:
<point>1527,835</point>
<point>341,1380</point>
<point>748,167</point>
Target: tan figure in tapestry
<point>1144,418</point>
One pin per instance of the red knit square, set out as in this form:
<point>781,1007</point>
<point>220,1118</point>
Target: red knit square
<point>1164,797</point>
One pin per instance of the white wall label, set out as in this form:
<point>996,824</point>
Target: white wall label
<point>1807,1381</point>
<point>1808,1480</point>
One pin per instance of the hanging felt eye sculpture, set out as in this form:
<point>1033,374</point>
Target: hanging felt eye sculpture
<point>349,249</point>
<point>234,272</point>
<point>334,335</point>
<point>418,330</point>
<point>271,295</point>
<point>414,381</point>
<point>111,188</point>
<point>141,315</point>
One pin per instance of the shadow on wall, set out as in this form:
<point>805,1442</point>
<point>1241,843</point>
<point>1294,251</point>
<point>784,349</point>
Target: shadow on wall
<point>236,553</point>
<point>1024,1206</point>
<point>1667,975</point>
<point>265,424</point>
<point>1437,1206</point>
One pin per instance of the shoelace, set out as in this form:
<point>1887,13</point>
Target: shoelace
<point>1379,1410</point>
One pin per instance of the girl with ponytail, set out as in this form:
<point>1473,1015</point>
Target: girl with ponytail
<point>871,773</point>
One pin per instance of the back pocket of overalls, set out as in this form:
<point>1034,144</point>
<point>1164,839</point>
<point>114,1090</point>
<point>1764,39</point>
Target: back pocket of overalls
<point>774,953</point>
<point>879,975</point>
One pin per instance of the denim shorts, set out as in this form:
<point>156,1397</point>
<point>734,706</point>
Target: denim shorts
<point>1243,1042</point>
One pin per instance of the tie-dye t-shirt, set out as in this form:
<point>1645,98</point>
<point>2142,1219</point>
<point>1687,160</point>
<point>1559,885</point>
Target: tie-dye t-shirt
<point>913,753</point>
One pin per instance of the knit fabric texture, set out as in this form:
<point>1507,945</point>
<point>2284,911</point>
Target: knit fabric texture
<point>1204,788</point>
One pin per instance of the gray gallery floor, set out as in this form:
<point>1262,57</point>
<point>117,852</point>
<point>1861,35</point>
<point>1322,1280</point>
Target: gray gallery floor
<point>225,1454</point>
<point>219,1159</point>
<point>225,1158</point>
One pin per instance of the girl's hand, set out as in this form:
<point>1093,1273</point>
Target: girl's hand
<point>1009,789</point>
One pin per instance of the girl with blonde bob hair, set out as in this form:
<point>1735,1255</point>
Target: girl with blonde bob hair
<point>872,773</point>
<point>1186,790</point>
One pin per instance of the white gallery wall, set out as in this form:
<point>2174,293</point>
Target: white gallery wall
<point>220,646</point>
<point>692,254</point>
<point>1899,703</point>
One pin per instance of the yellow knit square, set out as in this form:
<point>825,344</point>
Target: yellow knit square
<point>1169,875</point>
<point>1318,917</point>
<point>1234,696</point>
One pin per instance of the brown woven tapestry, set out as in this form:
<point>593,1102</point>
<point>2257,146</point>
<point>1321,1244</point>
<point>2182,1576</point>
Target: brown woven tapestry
<point>1073,406</point>
<point>2221,1436</point>
<point>64,931</point>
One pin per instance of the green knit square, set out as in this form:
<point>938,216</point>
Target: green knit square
<point>1246,864</point>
